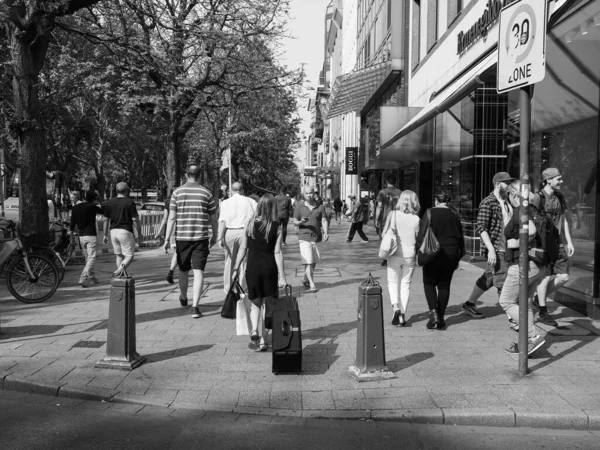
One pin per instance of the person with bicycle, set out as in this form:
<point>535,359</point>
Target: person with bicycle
<point>83,216</point>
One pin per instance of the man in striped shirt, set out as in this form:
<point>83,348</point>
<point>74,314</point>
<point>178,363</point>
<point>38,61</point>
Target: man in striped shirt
<point>192,211</point>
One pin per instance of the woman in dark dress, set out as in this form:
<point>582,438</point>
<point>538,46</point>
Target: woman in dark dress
<point>264,267</point>
<point>437,275</point>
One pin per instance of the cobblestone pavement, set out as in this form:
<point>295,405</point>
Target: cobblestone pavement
<point>457,376</point>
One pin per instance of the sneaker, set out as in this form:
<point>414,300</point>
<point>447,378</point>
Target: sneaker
<point>547,319</point>
<point>170,277</point>
<point>396,319</point>
<point>183,300</point>
<point>93,281</point>
<point>348,240</point>
<point>472,311</point>
<point>513,325</point>
<point>84,283</point>
<point>535,304</point>
<point>384,263</point>
<point>284,244</point>
<point>535,343</point>
<point>196,312</point>
<point>513,349</point>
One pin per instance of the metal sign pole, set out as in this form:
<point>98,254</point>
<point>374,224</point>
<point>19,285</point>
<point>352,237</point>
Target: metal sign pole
<point>524,134</point>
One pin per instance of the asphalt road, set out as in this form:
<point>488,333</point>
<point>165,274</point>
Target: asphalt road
<point>41,422</point>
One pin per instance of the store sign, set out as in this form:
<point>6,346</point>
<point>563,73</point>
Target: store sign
<point>351,160</point>
<point>480,28</point>
<point>521,45</point>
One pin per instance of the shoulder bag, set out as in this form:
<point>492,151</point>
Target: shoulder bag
<point>430,247</point>
<point>389,241</point>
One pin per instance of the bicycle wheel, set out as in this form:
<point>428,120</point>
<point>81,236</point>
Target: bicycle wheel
<point>32,290</point>
<point>53,256</point>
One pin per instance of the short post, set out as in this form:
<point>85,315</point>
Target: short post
<point>120,345</point>
<point>370,343</point>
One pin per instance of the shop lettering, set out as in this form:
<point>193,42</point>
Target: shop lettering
<point>351,157</point>
<point>480,28</point>
<point>520,73</point>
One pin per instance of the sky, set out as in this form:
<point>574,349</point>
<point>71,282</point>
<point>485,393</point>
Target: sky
<point>307,24</point>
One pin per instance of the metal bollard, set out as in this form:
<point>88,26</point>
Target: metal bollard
<point>370,343</point>
<point>120,345</point>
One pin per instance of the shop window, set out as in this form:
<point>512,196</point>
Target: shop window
<point>432,23</point>
<point>416,33</point>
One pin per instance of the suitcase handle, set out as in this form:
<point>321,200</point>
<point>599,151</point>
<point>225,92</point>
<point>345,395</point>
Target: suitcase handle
<point>288,290</point>
<point>285,327</point>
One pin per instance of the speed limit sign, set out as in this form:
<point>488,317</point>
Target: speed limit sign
<point>521,44</point>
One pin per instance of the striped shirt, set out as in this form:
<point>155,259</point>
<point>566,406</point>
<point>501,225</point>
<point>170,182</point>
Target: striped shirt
<point>192,205</point>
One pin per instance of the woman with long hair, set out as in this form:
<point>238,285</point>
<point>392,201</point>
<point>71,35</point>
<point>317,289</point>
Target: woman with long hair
<point>264,268</point>
<point>405,220</point>
<point>437,275</point>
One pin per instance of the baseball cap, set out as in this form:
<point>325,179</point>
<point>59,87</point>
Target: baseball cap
<point>502,177</point>
<point>550,172</point>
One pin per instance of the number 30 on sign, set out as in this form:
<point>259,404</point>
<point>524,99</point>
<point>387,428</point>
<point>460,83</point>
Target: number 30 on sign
<point>521,44</point>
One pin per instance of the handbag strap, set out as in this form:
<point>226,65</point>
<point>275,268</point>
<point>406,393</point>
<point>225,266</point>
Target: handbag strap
<point>429,218</point>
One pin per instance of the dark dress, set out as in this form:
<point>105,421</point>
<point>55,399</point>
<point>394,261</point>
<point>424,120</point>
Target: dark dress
<point>261,269</point>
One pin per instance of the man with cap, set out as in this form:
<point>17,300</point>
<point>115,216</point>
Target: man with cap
<point>122,215</point>
<point>557,272</point>
<point>495,212</point>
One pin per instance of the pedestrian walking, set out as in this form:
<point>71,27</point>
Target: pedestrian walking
<point>509,297</point>
<point>162,230</point>
<point>404,218</point>
<point>262,240</point>
<point>83,218</point>
<point>122,217</point>
<point>551,205</point>
<point>437,275</point>
<point>328,207</point>
<point>193,211</point>
<point>312,228</point>
<point>284,208</point>
<point>494,214</point>
<point>337,206</point>
<point>235,214</point>
<point>356,214</point>
<point>386,201</point>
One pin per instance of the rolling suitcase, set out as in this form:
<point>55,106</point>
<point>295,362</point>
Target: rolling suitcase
<point>287,301</point>
<point>287,341</point>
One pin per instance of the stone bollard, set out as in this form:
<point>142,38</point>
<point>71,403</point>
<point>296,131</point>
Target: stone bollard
<point>120,345</point>
<point>370,343</point>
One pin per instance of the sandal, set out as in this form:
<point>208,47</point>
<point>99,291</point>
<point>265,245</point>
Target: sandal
<point>263,347</point>
<point>254,336</point>
<point>306,283</point>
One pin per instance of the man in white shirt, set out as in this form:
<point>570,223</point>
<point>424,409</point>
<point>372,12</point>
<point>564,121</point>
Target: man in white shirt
<point>235,213</point>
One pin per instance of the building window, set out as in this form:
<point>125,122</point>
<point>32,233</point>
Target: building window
<point>432,23</point>
<point>454,8</point>
<point>416,33</point>
<point>389,14</point>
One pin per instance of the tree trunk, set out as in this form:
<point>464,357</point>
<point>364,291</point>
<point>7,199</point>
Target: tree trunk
<point>28,52</point>
<point>173,175</point>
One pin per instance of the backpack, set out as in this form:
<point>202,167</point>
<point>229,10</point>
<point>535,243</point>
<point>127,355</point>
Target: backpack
<point>547,240</point>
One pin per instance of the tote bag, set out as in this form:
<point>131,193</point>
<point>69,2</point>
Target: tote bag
<point>430,247</point>
<point>389,241</point>
<point>243,326</point>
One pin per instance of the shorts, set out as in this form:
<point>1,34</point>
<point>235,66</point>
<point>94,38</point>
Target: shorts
<point>493,276</point>
<point>123,242</point>
<point>192,254</point>
<point>561,266</point>
<point>309,252</point>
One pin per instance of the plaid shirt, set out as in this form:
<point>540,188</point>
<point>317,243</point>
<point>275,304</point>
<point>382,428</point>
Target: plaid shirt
<point>490,219</point>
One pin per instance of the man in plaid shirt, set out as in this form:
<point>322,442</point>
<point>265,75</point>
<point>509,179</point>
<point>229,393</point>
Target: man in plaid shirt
<point>494,213</point>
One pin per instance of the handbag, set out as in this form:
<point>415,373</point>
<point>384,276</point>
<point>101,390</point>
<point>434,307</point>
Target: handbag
<point>389,241</point>
<point>243,326</point>
<point>231,299</point>
<point>430,247</point>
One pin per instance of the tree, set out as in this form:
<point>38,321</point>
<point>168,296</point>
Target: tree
<point>28,25</point>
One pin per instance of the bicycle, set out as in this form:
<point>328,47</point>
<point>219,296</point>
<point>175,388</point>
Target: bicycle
<point>61,251</point>
<point>30,277</point>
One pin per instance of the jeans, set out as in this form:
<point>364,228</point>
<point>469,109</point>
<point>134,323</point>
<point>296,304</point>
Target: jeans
<point>284,224</point>
<point>509,297</point>
<point>88,245</point>
<point>437,277</point>
<point>400,288</point>
<point>356,227</point>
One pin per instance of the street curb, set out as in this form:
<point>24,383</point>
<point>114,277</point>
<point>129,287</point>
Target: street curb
<point>492,417</point>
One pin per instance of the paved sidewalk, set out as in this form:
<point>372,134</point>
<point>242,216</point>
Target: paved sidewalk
<point>457,376</point>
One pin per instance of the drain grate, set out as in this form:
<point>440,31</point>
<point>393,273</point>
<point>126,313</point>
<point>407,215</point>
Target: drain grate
<point>89,344</point>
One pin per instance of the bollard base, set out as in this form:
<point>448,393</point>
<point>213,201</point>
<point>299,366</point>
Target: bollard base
<point>120,363</point>
<point>385,374</point>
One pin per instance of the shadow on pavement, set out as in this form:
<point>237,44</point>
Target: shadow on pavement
<point>322,352</point>
<point>172,354</point>
<point>9,332</point>
<point>398,364</point>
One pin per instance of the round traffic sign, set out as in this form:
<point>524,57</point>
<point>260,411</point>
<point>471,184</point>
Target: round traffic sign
<point>520,33</point>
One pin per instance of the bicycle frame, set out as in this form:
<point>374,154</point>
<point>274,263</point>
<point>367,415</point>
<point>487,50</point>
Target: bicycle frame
<point>9,248</point>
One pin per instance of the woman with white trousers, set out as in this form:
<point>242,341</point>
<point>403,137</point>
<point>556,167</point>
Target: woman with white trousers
<point>404,218</point>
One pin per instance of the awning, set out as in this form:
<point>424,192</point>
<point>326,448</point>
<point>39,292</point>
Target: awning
<point>352,91</point>
<point>384,165</point>
<point>449,96</point>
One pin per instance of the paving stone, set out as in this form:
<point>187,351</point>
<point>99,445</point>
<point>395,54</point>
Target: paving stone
<point>557,419</point>
<point>317,400</point>
<point>286,400</point>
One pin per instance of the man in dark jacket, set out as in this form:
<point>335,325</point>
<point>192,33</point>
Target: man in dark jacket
<point>83,217</point>
<point>284,210</point>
